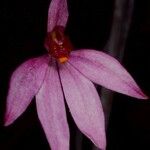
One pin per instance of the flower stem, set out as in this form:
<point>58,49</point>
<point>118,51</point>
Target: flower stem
<point>116,45</point>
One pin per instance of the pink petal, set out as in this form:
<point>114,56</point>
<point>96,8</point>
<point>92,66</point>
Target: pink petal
<point>24,84</point>
<point>84,104</point>
<point>51,111</point>
<point>57,14</point>
<point>106,71</point>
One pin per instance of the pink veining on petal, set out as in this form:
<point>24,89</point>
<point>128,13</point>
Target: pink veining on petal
<point>24,84</point>
<point>84,104</point>
<point>51,111</point>
<point>106,71</point>
<point>57,14</point>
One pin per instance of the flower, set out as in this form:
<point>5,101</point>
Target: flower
<point>66,74</point>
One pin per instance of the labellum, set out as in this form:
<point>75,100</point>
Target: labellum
<point>58,44</point>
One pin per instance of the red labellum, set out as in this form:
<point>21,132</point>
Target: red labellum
<point>58,44</point>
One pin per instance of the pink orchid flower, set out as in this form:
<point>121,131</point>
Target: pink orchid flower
<point>65,73</point>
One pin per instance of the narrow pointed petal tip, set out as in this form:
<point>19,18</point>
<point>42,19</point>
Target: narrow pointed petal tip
<point>84,104</point>
<point>8,120</point>
<point>24,84</point>
<point>105,71</point>
<point>142,95</point>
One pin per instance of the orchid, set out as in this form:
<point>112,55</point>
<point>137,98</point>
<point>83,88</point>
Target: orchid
<point>66,74</point>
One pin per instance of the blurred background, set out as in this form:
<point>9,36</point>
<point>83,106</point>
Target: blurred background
<point>118,27</point>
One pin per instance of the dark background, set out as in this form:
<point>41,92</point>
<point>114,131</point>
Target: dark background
<point>23,28</point>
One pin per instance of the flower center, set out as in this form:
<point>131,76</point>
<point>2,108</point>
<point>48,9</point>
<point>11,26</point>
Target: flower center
<point>58,44</point>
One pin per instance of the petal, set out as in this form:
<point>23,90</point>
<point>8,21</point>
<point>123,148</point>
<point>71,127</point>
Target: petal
<point>106,71</point>
<point>84,104</point>
<point>57,14</point>
<point>51,111</point>
<point>24,84</point>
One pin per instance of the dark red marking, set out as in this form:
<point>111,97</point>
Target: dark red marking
<point>58,44</point>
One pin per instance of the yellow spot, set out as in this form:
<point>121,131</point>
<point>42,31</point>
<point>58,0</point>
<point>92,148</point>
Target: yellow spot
<point>62,59</point>
<point>53,36</point>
